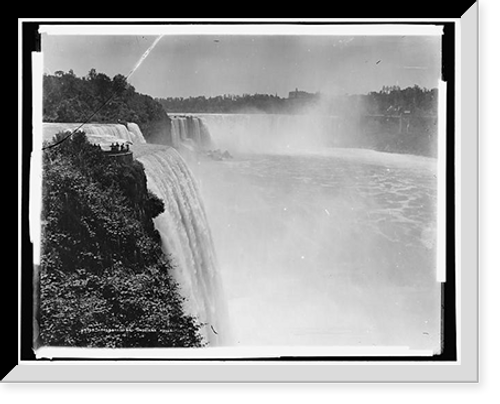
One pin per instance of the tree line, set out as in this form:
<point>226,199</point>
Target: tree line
<point>414,100</point>
<point>390,100</point>
<point>68,98</point>
<point>227,103</point>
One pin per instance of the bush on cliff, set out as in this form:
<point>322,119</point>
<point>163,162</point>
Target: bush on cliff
<point>104,280</point>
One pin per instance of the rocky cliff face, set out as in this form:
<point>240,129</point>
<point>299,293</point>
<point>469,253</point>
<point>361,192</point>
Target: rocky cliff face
<point>158,131</point>
<point>103,278</point>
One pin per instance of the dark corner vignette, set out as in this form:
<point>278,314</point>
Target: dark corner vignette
<point>448,295</point>
<point>31,43</point>
<point>448,288</point>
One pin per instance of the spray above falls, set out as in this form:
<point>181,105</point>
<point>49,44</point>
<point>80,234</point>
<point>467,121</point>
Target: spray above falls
<point>264,133</point>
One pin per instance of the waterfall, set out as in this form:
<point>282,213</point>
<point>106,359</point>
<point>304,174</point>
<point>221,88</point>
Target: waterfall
<point>189,131</point>
<point>206,138</point>
<point>184,128</point>
<point>187,239</point>
<point>102,134</point>
<point>136,131</point>
<point>195,130</point>
<point>176,133</point>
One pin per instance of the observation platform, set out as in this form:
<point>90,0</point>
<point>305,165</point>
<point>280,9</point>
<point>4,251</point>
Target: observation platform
<point>127,156</point>
<point>119,152</point>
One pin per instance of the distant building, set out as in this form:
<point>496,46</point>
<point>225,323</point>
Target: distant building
<point>300,95</point>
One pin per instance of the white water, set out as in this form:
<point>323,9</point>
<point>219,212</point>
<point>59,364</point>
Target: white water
<point>189,131</point>
<point>321,246</point>
<point>103,134</point>
<point>186,237</point>
<point>137,137</point>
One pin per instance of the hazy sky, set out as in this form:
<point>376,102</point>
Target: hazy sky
<point>209,65</point>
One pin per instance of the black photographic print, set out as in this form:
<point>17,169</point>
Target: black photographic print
<point>259,191</point>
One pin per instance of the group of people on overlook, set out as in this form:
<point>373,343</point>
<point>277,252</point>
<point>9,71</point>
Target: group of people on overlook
<point>119,147</point>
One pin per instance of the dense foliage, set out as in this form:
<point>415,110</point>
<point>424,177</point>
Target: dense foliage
<point>68,98</point>
<point>390,100</point>
<point>104,280</point>
<point>226,104</point>
<point>393,100</point>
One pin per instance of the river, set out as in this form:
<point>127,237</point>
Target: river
<point>329,248</point>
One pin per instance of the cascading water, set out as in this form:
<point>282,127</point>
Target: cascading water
<point>186,237</point>
<point>189,131</point>
<point>138,136</point>
<point>98,133</point>
<point>176,133</point>
<point>184,129</point>
<point>196,130</point>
